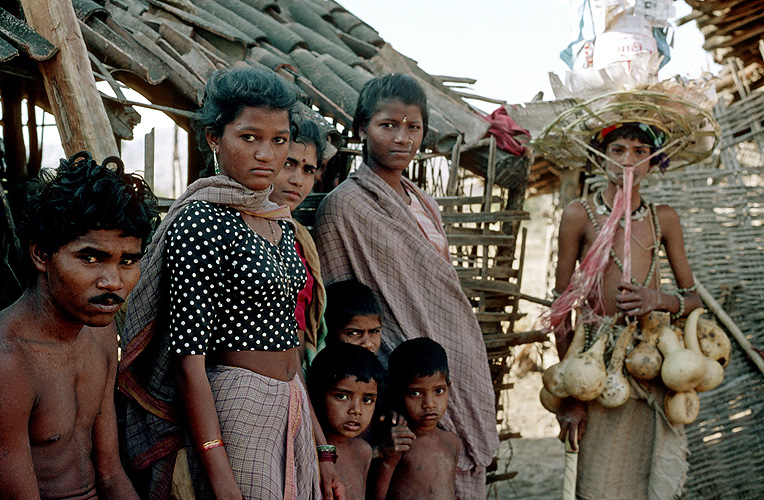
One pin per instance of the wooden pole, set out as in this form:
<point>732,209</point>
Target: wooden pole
<point>80,115</point>
<point>13,137</point>
<point>148,159</point>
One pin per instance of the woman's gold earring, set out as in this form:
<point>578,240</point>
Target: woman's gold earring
<point>215,161</point>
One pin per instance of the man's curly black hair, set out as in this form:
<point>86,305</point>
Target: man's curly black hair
<point>80,196</point>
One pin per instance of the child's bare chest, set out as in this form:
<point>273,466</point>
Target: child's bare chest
<point>427,470</point>
<point>644,246</point>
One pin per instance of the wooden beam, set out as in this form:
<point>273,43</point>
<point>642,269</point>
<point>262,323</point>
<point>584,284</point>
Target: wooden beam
<point>80,115</point>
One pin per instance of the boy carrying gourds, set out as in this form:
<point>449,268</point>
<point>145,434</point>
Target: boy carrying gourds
<point>630,451</point>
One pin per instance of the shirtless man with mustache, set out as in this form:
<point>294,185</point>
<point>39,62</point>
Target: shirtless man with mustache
<point>83,232</point>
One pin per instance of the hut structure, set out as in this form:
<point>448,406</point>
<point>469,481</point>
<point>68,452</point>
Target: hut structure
<point>721,206</point>
<point>52,52</point>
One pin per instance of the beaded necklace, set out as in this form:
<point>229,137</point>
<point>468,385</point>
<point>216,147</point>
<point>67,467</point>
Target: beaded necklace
<point>603,208</point>
<point>656,239</point>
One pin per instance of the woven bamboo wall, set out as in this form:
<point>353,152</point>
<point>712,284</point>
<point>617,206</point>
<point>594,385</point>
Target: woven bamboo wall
<point>722,212</point>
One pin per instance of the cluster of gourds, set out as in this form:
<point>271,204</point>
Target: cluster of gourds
<point>686,367</point>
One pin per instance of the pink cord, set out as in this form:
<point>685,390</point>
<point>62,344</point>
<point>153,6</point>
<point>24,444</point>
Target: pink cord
<point>586,282</point>
<point>628,182</point>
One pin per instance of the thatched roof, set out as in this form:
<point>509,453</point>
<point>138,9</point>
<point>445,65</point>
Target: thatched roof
<point>166,49</point>
<point>733,30</point>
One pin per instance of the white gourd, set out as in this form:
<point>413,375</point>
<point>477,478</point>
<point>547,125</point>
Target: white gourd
<point>549,401</point>
<point>682,368</point>
<point>714,343</point>
<point>552,377</point>
<point>714,371</point>
<point>617,389</point>
<point>682,407</point>
<point>585,374</point>
<point>644,361</point>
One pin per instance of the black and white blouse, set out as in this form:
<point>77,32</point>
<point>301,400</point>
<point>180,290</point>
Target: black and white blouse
<point>229,288</point>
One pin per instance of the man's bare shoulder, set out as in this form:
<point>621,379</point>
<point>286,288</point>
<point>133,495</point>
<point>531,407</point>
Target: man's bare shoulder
<point>16,377</point>
<point>106,338</point>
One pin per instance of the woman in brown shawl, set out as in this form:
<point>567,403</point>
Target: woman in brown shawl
<point>210,343</point>
<point>380,229</point>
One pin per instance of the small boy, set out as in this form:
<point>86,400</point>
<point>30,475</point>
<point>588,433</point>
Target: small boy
<point>353,315</point>
<point>419,386</point>
<point>343,382</point>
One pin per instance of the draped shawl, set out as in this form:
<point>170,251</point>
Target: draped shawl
<point>364,230</point>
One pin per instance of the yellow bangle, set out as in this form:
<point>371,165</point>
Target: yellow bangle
<point>211,444</point>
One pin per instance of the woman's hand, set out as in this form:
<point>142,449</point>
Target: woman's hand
<point>331,483</point>
<point>399,439</point>
<point>572,417</point>
<point>636,300</point>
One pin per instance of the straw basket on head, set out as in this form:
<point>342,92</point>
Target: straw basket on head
<point>690,131</point>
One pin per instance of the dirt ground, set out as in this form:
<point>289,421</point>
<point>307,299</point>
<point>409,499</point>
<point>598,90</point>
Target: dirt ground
<point>538,457</point>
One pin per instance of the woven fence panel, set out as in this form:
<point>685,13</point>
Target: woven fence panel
<point>722,213</point>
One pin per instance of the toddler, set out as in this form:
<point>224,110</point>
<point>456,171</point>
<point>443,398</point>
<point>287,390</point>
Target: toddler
<point>343,383</point>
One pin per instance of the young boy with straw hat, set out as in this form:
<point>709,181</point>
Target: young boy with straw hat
<point>631,451</point>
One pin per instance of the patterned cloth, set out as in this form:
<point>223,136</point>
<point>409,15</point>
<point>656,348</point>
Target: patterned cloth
<point>270,461</point>
<point>153,434</point>
<point>365,231</point>
<point>230,289</point>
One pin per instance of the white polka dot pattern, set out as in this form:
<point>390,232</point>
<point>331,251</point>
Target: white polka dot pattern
<point>229,288</point>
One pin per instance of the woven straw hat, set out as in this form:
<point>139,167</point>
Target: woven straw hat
<point>691,132</point>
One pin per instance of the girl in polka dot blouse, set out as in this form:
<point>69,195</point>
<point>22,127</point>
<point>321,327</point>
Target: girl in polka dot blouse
<point>229,281</point>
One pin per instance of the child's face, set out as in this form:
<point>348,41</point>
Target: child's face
<point>627,153</point>
<point>349,406</point>
<point>425,400</point>
<point>364,331</point>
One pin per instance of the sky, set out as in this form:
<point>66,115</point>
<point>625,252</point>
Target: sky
<point>509,46</point>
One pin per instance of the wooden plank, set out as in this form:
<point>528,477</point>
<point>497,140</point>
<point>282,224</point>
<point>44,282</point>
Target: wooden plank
<point>517,338</point>
<point>455,79</point>
<point>489,239</point>
<point>504,272</point>
<point>498,216</point>
<point>493,316</point>
<point>148,158</point>
<point>489,286</point>
<point>453,171</point>
<point>447,201</point>
<point>69,83</point>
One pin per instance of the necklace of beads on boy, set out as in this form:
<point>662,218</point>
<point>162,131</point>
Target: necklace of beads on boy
<point>656,236</point>
<point>603,208</point>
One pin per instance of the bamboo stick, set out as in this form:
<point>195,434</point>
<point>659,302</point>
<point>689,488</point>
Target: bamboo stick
<point>571,467</point>
<point>717,309</point>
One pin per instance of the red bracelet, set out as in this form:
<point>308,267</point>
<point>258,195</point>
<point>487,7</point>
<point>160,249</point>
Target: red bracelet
<point>211,444</point>
<point>327,453</point>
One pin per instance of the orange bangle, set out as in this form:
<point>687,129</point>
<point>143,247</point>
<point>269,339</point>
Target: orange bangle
<point>211,444</point>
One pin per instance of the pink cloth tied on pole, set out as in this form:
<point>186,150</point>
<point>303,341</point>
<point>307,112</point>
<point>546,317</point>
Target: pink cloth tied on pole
<point>505,129</point>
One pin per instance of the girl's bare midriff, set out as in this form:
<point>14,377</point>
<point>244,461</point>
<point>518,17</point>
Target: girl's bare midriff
<point>279,365</point>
